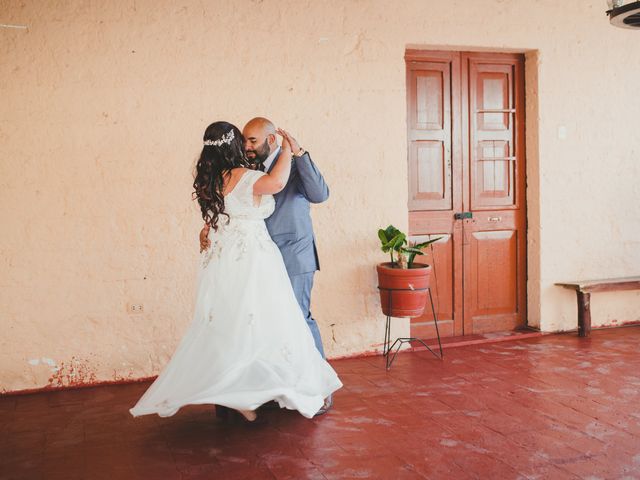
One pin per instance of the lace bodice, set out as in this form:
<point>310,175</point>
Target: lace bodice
<point>238,203</point>
<point>245,227</point>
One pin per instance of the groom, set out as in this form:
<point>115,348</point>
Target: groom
<point>290,224</point>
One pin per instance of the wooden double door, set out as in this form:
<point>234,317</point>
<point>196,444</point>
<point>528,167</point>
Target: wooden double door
<point>467,186</point>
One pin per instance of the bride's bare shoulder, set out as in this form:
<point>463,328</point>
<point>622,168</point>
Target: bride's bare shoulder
<point>235,174</point>
<point>239,172</point>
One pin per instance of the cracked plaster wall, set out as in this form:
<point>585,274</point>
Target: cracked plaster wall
<point>102,113</point>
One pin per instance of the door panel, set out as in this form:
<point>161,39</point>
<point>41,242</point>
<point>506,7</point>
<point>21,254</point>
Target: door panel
<point>491,133</point>
<point>493,274</point>
<point>440,256</point>
<point>431,172</point>
<point>445,261</point>
<point>466,154</point>
<point>433,100</point>
<point>495,238</point>
<point>429,84</point>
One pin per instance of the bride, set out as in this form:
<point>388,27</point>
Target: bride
<point>248,342</point>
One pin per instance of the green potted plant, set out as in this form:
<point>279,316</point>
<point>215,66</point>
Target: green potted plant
<point>403,283</point>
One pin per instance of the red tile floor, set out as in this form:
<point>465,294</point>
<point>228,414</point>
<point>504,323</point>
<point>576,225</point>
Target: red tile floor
<point>552,407</point>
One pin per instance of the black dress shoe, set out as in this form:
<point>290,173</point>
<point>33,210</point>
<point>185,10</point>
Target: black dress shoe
<point>328,404</point>
<point>223,413</point>
<point>270,405</point>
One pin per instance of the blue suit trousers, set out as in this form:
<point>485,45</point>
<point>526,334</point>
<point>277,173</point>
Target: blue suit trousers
<point>302,285</point>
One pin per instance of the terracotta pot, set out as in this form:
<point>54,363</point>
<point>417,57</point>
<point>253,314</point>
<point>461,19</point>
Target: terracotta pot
<point>409,296</point>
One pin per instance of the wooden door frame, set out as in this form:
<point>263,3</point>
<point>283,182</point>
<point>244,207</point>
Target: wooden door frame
<point>461,147</point>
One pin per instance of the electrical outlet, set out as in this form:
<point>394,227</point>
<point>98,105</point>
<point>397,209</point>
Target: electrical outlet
<point>135,308</point>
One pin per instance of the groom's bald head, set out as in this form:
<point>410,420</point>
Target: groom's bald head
<point>263,124</point>
<point>259,139</point>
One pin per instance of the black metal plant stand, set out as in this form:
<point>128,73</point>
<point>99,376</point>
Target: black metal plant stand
<point>388,347</point>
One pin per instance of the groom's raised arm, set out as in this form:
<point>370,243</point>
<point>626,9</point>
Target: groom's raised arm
<point>312,184</point>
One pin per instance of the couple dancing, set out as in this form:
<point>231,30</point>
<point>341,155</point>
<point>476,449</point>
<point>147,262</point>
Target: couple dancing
<point>252,338</point>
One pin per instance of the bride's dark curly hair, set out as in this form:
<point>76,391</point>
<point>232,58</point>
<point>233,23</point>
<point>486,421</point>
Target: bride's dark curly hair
<point>224,152</point>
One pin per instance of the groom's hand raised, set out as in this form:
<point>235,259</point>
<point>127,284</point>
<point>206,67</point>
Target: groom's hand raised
<point>293,143</point>
<point>204,238</point>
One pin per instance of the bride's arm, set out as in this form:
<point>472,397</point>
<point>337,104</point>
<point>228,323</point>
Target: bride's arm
<point>275,181</point>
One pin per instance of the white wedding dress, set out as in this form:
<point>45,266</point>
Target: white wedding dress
<point>248,342</point>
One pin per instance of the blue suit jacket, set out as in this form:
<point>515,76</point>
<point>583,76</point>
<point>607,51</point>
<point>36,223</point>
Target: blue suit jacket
<point>290,224</point>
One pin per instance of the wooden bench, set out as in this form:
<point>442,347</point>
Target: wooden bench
<point>583,290</point>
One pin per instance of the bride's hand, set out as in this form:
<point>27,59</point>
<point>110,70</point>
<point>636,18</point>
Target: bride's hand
<point>205,243</point>
<point>286,140</point>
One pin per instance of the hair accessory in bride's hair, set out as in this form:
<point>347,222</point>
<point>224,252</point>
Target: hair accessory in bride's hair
<point>226,138</point>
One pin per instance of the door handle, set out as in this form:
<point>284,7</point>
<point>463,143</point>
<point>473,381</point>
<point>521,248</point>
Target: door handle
<point>462,215</point>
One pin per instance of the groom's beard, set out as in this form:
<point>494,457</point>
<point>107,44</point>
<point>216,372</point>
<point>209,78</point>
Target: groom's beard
<point>259,155</point>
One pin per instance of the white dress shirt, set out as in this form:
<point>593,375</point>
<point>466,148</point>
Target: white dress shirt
<point>271,158</point>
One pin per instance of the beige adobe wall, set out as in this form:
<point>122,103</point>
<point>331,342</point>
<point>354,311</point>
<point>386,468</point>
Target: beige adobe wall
<point>102,113</point>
